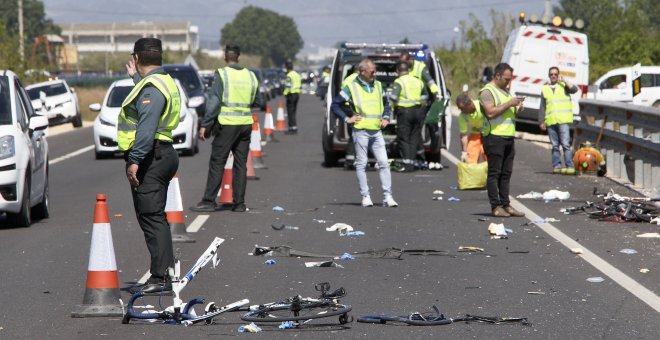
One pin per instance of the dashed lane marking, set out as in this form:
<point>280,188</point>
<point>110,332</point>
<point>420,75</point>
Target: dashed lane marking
<point>625,281</point>
<point>70,155</point>
<point>197,223</point>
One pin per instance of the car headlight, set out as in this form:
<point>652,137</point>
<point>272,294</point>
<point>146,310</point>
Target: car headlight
<point>195,101</point>
<point>7,148</point>
<point>105,122</point>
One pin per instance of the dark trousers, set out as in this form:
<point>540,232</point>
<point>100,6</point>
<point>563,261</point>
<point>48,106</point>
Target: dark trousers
<point>409,122</point>
<point>234,138</point>
<point>149,198</point>
<point>500,152</point>
<point>291,108</point>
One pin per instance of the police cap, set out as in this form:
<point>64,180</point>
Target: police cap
<point>148,45</point>
<point>232,48</point>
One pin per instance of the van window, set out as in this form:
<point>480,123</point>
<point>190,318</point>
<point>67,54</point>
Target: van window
<point>657,79</point>
<point>614,82</point>
<point>647,80</point>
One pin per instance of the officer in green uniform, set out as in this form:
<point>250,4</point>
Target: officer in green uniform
<point>233,93</point>
<point>292,90</point>
<point>148,116</point>
<point>500,109</point>
<point>408,94</point>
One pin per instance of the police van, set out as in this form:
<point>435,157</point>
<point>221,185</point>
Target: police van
<point>335,137</point>
<point>532,48</point>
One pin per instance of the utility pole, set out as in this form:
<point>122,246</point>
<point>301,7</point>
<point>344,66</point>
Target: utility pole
<point>20,30</point>
<point>546,13</point>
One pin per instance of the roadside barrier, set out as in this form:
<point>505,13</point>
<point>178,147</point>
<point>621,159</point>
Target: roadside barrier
<point>226,194</point>
<point>629,138</point>
<point>255,144</point>
<point>280,124</point>
<point>174,213</point>
<point>269,124</point>
<point>102,297</point>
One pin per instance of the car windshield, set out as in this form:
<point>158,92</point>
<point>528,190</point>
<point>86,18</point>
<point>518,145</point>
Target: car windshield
<point>188,79</point>
<point>117,95</point>
<point>5,105</point>
<point>50,90</point>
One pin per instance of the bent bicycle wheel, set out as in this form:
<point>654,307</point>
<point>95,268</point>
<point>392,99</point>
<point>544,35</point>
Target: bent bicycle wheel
<point>304,310</point>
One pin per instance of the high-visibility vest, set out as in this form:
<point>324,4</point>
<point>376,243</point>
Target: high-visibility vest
<point>504,124</point>
<point>169,119</point>
<point>558,105</point>
<point>293,83</point>
<point>474,121</point>
<point>369,105</point>
<point>349,79</point>
<point>239,90</point>
<point>417,70</point>
<point>411,91</point>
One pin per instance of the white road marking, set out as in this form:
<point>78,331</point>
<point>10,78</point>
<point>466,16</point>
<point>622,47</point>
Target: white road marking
<point>70,155</point>
<point>144,278</point>
<point>197,223</point>
<point>647,296</point>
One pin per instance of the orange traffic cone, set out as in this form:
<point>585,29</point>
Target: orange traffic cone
<point>226,194</point>
<point>174,213</point>
<point>269,125</point>
<point>280,124</point>
<point>250,168</point>
<point>102,290</point>
<point>255,145</point>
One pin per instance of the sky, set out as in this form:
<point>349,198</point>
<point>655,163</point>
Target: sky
<point>321,23</point>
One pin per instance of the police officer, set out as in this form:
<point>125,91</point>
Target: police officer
<point>407,96</point>
<point>470,124</point>
<point>234,91</point>
<point>292,89</point>
<point>500,108</point>
<point>148,115</point>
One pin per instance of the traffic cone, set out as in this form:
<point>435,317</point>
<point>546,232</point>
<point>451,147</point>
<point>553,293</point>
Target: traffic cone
<point>280,124</point>
<point>269,125</point>
<point>255,145</point>
<point>250,168</point>
<point>174,213</point>
<point>102,290</point>
<point>226,194</point>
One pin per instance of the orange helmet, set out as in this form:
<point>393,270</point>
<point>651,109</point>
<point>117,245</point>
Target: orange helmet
<point>588,159</point>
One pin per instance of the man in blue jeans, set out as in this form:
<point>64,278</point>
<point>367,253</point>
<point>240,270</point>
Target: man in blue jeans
<point>372,113</point>
<point>556,116</point>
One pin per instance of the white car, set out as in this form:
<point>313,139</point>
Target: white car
<point>57,101</point>
<point>616,85</point>
<point>105,124</point>
<point>23,155</point>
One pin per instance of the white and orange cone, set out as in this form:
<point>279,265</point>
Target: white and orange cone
<point>102,289</point>
<point>280,125</point>
<point>251,174</point>
<point>255,145</point>
<point>226,194</point>
<point>269,125</point>
<point>174,213</point>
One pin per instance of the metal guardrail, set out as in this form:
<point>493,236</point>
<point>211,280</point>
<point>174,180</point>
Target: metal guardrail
<point>629,140</point>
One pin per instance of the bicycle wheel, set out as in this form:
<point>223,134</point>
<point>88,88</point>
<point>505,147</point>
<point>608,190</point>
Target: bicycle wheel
<point>297,311</point>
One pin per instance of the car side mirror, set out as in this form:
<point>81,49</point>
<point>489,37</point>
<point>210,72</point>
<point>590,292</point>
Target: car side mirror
<point>72,90</point>
<point>38,122</point>
<point>96,107</point>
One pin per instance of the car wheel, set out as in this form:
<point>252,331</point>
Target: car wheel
<point>77,120</point>
<point>100,155</point>
<point>656,104</point>
<point>42,210</point>
<point>22,218</point>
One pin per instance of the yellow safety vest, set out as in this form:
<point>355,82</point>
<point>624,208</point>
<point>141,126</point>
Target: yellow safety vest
<point>417,69</point>
<point>349,79</point>
<point>475,120</point>
<point>411,91</point>
<point>239,90</point>
<point>369,105</point>
<point>294,84</point>
<point>169,119</point>
<point>504,124</point>
<point>558,105</point>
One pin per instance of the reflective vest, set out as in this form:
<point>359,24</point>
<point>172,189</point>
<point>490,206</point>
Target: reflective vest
<point>369,105</point>
<point>504,124</point>
<point>239,90</point>
<point>293,83</point>
<point>417,70</point>
<point>475,120</point>
<point>411,91</point>
<point>349,79</point>
<point>325,77</point>
<point>558,105</point>
<point>169,119</point>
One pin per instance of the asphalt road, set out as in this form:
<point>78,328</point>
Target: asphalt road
<point>44,266</point>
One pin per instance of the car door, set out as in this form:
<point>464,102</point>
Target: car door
<point>615,88</point>
<point>37,144</point>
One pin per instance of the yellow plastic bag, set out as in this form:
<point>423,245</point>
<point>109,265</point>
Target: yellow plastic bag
<point>472,176</point>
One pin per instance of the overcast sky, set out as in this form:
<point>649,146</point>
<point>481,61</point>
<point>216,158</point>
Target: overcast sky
<point>320,22</point>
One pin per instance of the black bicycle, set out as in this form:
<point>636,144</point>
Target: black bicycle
<point>435,318</point>
<point>297,308</point>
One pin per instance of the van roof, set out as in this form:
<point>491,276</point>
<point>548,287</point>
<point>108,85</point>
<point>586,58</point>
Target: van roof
<point>552,33</point>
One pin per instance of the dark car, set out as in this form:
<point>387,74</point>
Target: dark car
<point>192,84</point>
<point>263,87</point>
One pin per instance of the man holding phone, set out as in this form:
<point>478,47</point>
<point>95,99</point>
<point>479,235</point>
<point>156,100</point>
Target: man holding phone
<point>498,133</point>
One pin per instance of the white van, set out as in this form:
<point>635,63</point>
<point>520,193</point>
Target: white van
<point>616,85</point>
<point>531,50</point>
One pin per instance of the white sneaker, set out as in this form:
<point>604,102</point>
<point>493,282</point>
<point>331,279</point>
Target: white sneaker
<point>366,201</point>
<point>388,201</point>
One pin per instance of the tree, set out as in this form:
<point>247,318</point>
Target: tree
<point>263,32</point>
<point>9,59</point>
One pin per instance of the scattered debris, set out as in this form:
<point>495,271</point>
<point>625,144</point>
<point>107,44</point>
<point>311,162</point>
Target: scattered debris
<point>354,233</point>
<point>644,270</point>
<point>278,208</point>
<point>119,215</point>
<point>284,226</point>
<point>470,248</point>
<point>628,251</point>
<point>251,328</point>
<point>438,192</point>
<point>270,262</point>
<point>473,287</point>
<point>531,195</point>
<point>284,251</point>
<point>453,199</point>
<point>287,325</point>
<point>536,293</point>
<point>453,187</point>
<point>577,251</point>
<point>438,198</point>
<point>655,220</point>
<point>319,221</point>
<point>323,264</point>
<point>497,231</point>
<point>346,256</point>
<point>343,228</point>
<point>483,219</point>
<point>595,279</point>
<point>649,235</point>
<point>518,252</point>
<point>556,195</point>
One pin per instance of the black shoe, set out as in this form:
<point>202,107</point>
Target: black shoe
<point>205,207</point>
<point>239,208</point>
<point>153,285</point>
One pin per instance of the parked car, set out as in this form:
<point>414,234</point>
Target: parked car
<point>616,85</point>
<point>192,84</point>
<point>335,136</point>
<point>207,77</point>
<point>105,124</point>
<point>275,81</point>
<point>264,88</point>
<point>57,101</point>
<point>23,155</point>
